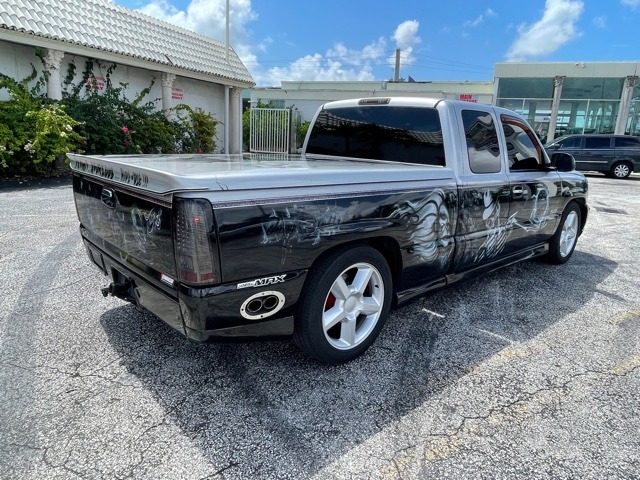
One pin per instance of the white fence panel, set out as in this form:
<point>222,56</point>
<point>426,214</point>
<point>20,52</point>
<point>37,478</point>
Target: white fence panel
<point>270,130</point>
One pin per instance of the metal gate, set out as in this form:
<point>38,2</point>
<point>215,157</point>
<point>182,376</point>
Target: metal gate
<point>270,130</point>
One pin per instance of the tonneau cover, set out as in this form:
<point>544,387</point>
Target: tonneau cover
<point>164,174</point>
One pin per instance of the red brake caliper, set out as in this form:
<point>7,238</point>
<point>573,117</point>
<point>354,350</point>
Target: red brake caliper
<point>331,301</point>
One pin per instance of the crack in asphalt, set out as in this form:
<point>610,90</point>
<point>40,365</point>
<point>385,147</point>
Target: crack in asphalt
<point>168,412</point>
<point>449,443</point>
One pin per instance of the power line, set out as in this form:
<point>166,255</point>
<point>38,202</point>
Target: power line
<point>447,61</point>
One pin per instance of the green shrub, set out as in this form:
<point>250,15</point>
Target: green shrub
<point>111,123</point>
<point>196,131</point>
<point>301,132</point>
<point>34,131</point>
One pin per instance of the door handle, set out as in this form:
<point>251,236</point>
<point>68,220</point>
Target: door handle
<point>517,191</point>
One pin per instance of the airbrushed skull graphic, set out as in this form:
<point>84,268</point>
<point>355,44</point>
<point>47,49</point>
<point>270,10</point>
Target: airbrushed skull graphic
<point>429,224</point>
<point>496,234</point>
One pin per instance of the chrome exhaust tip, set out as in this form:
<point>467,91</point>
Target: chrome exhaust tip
<point>262,305</point>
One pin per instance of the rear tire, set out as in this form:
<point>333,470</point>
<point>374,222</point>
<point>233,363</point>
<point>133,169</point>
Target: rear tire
<point>563,242</point>
<point>344,304</point>
<point>621,170</point>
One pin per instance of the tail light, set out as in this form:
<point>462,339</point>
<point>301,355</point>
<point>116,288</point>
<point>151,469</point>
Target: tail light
<point>195,242</point>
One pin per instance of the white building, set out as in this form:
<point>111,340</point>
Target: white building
<point>308,96</point>
<point>187,67</point>
<point>557,97</point>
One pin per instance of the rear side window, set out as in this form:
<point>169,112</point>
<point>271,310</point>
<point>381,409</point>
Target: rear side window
<point>628,142</point>
<point>482,141</point>
<point>399,134</point>
<point>597,142</point>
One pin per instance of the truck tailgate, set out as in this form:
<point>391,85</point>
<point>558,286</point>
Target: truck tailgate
<point>130,226</point>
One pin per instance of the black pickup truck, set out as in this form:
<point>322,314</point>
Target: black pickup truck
<point>390,199</point>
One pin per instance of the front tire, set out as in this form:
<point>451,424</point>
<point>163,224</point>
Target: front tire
<point>563,242</point>
<point>344,304</point>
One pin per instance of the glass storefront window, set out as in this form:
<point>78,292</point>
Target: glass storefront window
<point>536,111</point>
<point>633,122</point>
<point>602,116</point>
<point>515,104</point>
<point>593,88</point>
<point>571,115</point>
<point>525,88</point>
<point>587,105</point>
<point>586,116</point>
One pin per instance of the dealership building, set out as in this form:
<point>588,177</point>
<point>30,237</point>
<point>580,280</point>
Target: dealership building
<point>572,97</point>
<point>563,97</point>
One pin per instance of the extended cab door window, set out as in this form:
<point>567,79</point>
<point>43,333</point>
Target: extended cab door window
<point>523,150</point>
<point>483,148</point>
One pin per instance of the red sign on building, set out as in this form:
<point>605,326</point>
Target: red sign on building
<point>468,97</point>
<point>97,82</point>
<point>177,93</point>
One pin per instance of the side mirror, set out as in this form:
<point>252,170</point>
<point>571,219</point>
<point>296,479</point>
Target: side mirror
<point>563,162</point>
<point>555,146</point>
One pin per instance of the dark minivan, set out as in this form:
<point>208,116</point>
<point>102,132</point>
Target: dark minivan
<point>614,155</point>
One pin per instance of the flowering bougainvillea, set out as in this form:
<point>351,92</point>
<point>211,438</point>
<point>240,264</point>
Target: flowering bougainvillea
<point>36,131</point>
<point>129,144</point>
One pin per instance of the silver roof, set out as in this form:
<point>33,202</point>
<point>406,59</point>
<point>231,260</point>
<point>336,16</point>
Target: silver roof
<point>103,25</point>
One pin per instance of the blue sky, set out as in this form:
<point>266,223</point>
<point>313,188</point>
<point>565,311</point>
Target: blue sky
<point>440,40</point>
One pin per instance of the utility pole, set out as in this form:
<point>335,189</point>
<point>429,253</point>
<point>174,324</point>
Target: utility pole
<point>396,73</point>
<point>227,50</point>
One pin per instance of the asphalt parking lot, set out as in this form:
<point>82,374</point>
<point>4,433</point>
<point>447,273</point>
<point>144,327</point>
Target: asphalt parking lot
<point>530,372</point>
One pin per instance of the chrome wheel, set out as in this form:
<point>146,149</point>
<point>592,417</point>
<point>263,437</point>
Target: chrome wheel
<point>353,306</point>
<point>569,234</point>
<point>344,304</point>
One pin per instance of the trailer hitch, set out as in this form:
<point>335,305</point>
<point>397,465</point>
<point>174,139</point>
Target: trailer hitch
<point>120,290</point>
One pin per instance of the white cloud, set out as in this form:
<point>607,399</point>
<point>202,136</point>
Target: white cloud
<point>209,18</point>
<point>556,28</point>
<point>406,35</point>
<point>600,22</point>
<point>316,67</point>
<point>338,63</point>
<point>631,3</point>
<point>488,13</point>
<point>372,52</point>
<point>341,63</point>
<point>265,44</point>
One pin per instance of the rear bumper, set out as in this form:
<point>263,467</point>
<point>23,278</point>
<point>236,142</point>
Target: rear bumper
<point>202,314</point>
